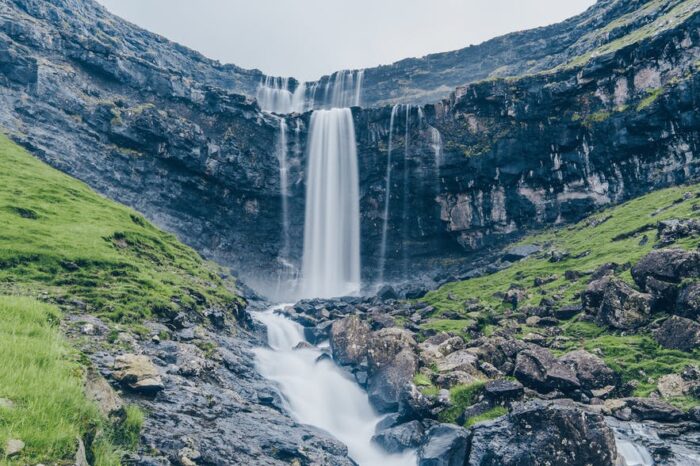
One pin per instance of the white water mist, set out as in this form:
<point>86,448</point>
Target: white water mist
<point>331,261</point>
<point>320,393</point>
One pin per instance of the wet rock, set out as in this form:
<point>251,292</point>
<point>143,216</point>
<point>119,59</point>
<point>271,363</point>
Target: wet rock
<point>503,391</point>
<point>385,385</point>
<point>591,371</point>
<point>387,293</point>
<point>400,438</point>
<point>678,333</point>
<point>542,433</point>
<point>138,373</point>
<point>350,340</point>
<point>446,445</point>
<point>667,265</point>
<point>643,409</point>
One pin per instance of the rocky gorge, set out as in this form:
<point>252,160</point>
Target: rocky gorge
<point>526,240</point>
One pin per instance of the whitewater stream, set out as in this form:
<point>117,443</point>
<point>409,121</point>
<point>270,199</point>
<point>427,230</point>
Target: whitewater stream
<point>319,393</point>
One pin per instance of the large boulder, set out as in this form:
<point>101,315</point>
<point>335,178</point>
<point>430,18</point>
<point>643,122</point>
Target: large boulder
<point>678,333</point>
<point>667,265</point>
<point>402,437</point>
<point>643,409</point>
<point>385,344</point>
<point>446,445</point>
<point>500,352</point>
<point>591,371</point>
<point>543,433</point>
<point>462,361</point>
<point>537,368</point>
<point>616,304</point>
<point>386,385</point>
<point>688,304</point>
<point>503,391</point>
<point>137,373</point>
<point>349,339</point>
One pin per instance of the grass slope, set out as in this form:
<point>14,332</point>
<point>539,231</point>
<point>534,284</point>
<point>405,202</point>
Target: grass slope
<point>613,235</point>
<point>59,238</point>
<point>41,377</point>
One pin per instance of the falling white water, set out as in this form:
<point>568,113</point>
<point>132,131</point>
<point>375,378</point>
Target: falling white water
<point>321,394</point>
<point>331,261</point>
<point>387,196</point>
<point>405,227</point>
<point>343,89</point>
<point>284,186</point>
<point>274,96</point>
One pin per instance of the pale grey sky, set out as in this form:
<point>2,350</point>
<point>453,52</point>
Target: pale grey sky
<point>309,38</point>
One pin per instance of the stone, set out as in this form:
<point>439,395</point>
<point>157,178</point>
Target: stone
<point>386,385</point>
<point>543,433</point>
<point>446,445</point>
<point>6,404</point>
<point>13,447</point>
<point>643,409</point>
<point>101,392</point>
<point>615,304</point>
<point>138,373</point>
<point>349,339</point>
<point>383,346</point>
<point>400,438</point>
<point>537,368</point>
<point>591,371</point>
<point>518,253</point>
<point>668,265</point>
<point>80,455</point>
<point>672,385</point>
<point>567,312</point>
<point>450,346</point>
<point>503,391</point>
<point>387,293</point>
<point>688,304</point>
<point>462,360</point>
<point>678,333</point>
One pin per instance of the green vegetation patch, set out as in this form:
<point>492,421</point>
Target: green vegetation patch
<point>493,413</point>
<point>461,397</point>
<point>42,379</point>
<point>61,239</point>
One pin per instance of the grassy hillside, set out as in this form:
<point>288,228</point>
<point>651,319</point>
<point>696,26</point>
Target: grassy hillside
<point>60,239</point>
<point>622,235</point>
<point>42,380</point>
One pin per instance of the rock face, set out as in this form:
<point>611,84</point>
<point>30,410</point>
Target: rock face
<point>160,128</point>
<point>542,433</point>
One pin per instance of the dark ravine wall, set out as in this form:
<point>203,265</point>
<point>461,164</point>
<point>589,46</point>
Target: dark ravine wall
<point>160,128</point>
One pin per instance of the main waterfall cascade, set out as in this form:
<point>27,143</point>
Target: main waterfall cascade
<point>318,393</point>
<point>331,260</point>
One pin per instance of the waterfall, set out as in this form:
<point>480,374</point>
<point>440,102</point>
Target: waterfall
<point>320,394</point>
<point>274,96</point>
<point>284,186</point>
<point>343,89</point>
<point>406,223</point>
<point>331,260</point>
<point>387,196</point>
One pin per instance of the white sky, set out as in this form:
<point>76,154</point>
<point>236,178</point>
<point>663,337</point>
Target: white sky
<point>309,38</point>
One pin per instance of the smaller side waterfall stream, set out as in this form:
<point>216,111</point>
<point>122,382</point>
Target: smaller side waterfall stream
<point>321,394</point>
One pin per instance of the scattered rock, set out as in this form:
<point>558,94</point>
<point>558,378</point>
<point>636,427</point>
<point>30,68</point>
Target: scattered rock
<point>668,265</point>
<point>518,253</point>
<point>385,386</point>
<point>616,304</point>
<point>137,373</point>
<point>503,391</point>
<point>102,393</point>
<point>688,304</point>
<point>349,340</point>
<point>643,409</point>
<point>13,447</point>
<point>591,371</point>
<point>6,404</point>
<point>387,293</point>
<point>400,438</point>
<point>672,385</point>
<point>537,368</point>
<point>678,333</point>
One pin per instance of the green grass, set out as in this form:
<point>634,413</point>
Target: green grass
<point>652,95</point>
<point>461,397</point>
<point>41,376</point>
<point>492,413</point>
<point>62,240</point>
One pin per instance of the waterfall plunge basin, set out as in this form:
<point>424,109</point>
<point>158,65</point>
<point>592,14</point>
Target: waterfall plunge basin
<point>321,394</point>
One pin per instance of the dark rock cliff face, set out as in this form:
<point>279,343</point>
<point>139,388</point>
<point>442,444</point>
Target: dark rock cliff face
<point>160,128</point>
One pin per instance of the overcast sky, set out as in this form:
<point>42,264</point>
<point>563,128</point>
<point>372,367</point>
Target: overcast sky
<point>309,38</point>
